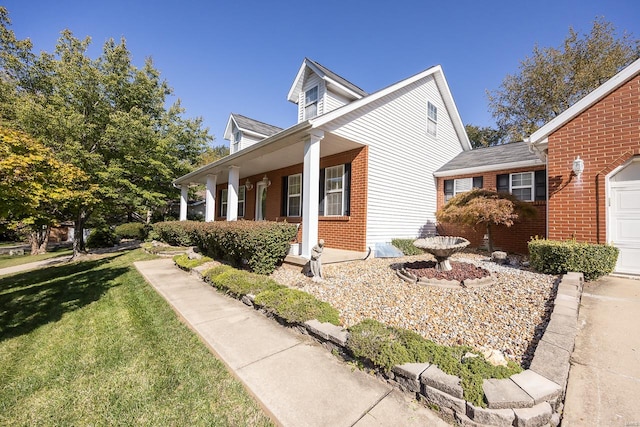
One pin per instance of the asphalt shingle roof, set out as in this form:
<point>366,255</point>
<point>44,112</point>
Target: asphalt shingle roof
<point>255,126</point>
<point>495,155</point>
<point>339,79</point>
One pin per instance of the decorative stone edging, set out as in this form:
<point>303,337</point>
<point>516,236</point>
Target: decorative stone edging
<point>444,283</point>
<point>532,398</point>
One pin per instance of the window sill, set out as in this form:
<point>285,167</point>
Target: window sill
<point>342,218</point>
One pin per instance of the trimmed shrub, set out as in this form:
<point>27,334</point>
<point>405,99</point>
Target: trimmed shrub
<point>102,238</point>
<point>260,246</point>
<point>184,262</point>
<point>560,257</point>
<point>239,283</point>
<point>386,346</point>
<point>132,230</point>
<point>406,246</point>
<point>295,306</point>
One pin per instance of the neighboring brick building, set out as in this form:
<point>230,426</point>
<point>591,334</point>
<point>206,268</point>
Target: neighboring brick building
<point>508,168</point>
<point>601,133</point>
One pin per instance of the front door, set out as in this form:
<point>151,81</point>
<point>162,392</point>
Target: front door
<point>261,201</point>
<point>624,217</point>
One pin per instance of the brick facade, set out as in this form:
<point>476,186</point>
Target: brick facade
<point>510,239</point>
<point>343,232</point>
<point>605,136</point>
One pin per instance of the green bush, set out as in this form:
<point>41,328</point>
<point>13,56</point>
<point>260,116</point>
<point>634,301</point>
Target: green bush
<point>184,262</point>
<point>261,246</point>
<point>560,257</point>
<point>406,246</point>
<point>295,306</point>
<point>102,237</point>
<point>237,282</point>
<point>386,346</point>
<point>132,230</point>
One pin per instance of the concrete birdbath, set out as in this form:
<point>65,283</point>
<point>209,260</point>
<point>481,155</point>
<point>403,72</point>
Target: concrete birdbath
<point>442,247</point>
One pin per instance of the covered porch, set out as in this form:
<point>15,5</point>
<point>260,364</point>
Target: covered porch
<point>251,184</point>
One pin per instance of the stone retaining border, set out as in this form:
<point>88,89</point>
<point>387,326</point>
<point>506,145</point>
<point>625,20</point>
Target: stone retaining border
<point>532,398</point>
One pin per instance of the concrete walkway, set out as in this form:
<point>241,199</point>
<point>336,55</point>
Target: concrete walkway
<point>34,265</point>
<point>298,382</point>
<point>604,379</point>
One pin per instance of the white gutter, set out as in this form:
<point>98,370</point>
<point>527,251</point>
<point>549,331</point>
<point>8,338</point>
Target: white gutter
<point>488,168</point>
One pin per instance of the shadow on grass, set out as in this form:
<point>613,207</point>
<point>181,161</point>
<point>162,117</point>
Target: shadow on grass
<point>31,299</point>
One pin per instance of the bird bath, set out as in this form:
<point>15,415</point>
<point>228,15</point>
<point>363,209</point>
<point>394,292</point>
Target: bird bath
<point>442,247</point>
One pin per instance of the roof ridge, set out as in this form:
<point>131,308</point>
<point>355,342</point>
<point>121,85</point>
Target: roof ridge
<point>255,120</point>
<point>329,71</point>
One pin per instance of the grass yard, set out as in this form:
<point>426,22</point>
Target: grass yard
<point>10,261</point>
<point>90,343</point>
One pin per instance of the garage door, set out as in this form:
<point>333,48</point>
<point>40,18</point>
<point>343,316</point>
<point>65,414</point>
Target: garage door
<point>624,217</point>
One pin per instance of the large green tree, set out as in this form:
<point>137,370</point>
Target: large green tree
<point>484,136</point>
<point>552,79</point>
<point>105,116</point>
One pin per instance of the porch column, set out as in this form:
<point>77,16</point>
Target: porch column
<point>210,198</point>
<point>310,191</point>
<point>232,193</point>
<point>184,194</point>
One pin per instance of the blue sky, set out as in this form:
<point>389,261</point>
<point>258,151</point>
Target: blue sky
<point>224,56</point>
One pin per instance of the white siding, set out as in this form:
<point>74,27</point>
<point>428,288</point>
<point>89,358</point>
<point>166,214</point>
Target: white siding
<point>334,100</point>
<point>248,140</point>
<point>402,159</point>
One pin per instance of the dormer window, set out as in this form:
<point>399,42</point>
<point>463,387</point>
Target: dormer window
<point>237,136</point>
<point>311,103</point>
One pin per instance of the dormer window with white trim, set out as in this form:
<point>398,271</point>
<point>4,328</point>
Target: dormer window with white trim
<point>432,119</point>
<point>237,136</point>
<point>311,103</point>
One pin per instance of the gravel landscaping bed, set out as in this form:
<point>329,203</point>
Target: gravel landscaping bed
<point>509,315</point>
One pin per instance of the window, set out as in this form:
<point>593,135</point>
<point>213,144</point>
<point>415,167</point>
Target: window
<point>432,119</point>
<point>237,136</point>
<point>242,192</point>
<point>453,187</point>
<point>522,185</point>
<point>311,103</point>
<point>223,202</point>
<point>334,191</point>
<point>294,195</point>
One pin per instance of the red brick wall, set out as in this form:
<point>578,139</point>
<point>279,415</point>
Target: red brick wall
<point>510,239</point>
<point>345,232</point>
<point>605,136</point>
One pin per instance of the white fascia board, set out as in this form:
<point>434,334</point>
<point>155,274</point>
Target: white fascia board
<point>342,87</point>
<point>453,109</point>
<point>603,90</point>
<point>250,132</point>
<point>489,168</point>
<point>300,127</point>
<point>227,130</point>
<point>354,105</point>
<point>293,91</point>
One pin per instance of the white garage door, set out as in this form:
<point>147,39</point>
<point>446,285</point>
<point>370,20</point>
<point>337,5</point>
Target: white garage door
<point>624,217</point>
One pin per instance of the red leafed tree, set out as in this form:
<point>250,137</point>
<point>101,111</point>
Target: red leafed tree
<point>485,208</point>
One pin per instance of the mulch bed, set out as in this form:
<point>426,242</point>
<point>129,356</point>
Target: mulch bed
<point>460,271</point>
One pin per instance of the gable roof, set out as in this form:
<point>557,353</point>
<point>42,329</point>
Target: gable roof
<point>497,157</point>
<point>252,126</point>
<point>332,79</point>
<point>438,76</point>
<point>540,136</point>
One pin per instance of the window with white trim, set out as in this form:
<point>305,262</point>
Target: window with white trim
<point>237,136</point>
<point>521,185</point>
<point>334,191</point>
<point>311,103</point>
<point>223,202</point>
<point>453,187</point>
<point>294,195</point>
<point>242,193</point>
<point>432,119</point>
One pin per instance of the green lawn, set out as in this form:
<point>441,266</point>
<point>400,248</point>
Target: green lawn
<point>10,261</point>
<point>90,343</point>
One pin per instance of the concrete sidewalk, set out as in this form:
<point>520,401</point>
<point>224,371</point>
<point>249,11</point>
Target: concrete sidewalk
<point>34,265</point>
<point>604,379</point>
<point>297,381</point>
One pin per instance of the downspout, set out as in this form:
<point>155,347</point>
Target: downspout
<point>542,154</point>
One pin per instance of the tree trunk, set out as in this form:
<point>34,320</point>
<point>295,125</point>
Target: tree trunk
<point>489,239</point>
<point>78,234</point>
<point>39,238</point>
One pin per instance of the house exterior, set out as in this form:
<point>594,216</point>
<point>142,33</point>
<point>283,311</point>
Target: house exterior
<point>511,168</point>
<point>355,170</point>
<point>601,134</point>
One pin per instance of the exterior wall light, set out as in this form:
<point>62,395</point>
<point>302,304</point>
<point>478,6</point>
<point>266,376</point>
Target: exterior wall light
<point>578,166</point>
<point>248,185</point>
<point>266,181</point>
